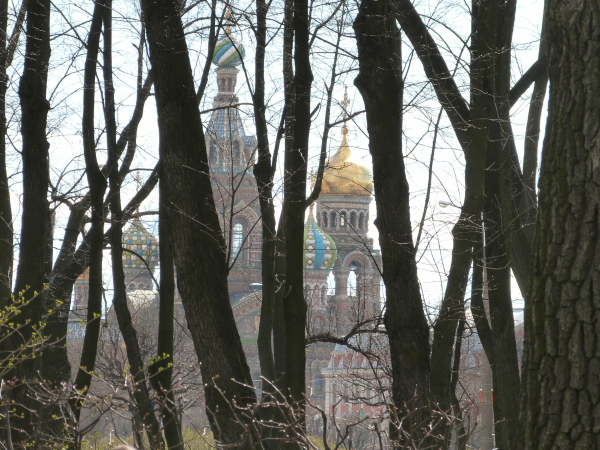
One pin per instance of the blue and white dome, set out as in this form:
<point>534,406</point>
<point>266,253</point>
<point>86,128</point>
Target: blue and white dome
<point>320,251</point>
<point>228,53</point>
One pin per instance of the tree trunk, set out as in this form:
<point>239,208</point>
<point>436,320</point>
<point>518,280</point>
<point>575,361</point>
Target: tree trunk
<point>6,229</point>
<point>461,117</point>
<point>269,330</point>
<point>97,187</point>
<point>467,231</point>
<point>141,391</point>
<point>197,241</point>
<point>72,261</point>
<point>161,372</point>
<point>563,315</point>
<point>263,172</point>
<point>30,275</point>
<point>381,86</point>
<point>296,158</point>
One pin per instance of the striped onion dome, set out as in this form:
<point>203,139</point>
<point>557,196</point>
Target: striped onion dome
<point>228,53</point>
<point>137,239</point>
<point>320,251</point>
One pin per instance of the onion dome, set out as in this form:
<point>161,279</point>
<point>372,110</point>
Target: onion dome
<point>344,176</point>
<point>228,52</point>
<point>138,240</point>
<point>320,251</point>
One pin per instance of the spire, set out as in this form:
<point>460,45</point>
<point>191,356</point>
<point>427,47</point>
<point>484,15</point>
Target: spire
<point>228,20</point>
<point>228,51</point>
<point>343,175</point>
<point>138,185</point>
<point>345,103</point>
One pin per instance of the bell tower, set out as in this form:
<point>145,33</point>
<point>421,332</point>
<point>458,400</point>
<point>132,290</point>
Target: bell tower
<point>343,213</point>
<point>231,159</point>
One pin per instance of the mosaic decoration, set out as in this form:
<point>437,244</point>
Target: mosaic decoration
<point>320,251</point>
<point>226,124</point>
<point>140,241</point>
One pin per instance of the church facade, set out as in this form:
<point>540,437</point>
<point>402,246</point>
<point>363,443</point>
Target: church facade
<point>342,277</point>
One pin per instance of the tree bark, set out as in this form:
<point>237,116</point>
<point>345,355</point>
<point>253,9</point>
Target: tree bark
<point>467,231</point>
<point>72,261</point>
<point>263,172</point>
<point>97,187</point>
<point>161,372</point>
<point>498,219</point>
<point>30,275</point>
<point>6,228</point>
<point>563,315</point>
<point>381,86</point>
<point>197,241</point>
<point>294,207</point>
<point>462,117</point>
<point>141,391</point>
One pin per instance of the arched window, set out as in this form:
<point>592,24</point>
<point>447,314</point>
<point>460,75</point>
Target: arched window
<point>361,221</point>
<point>353,219</point>
<point>324,221</point>
<point>331,283</point>
<point>213,153</point>
<point>229,89</point>
<point>318,383</point>
<point>236,152</point>
<point>352,284</point>
<point>333,219</point>
<point>343,219</point>
<point>237,237</point>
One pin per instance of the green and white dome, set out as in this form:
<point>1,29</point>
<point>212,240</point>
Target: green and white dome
<point>320,251</point>
<point>228,53</point>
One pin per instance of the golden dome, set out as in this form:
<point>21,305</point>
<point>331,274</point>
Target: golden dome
<point>342,176</point>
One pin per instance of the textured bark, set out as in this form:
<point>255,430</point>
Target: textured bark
<point>161,372</point>
<point>482,323</point>
<point>263,171</point>
<point>30,275</point>
<point>461,431</point>
<point>6,229</point>
<point>563,315</point>
<point>467,231</point>
<point>499,215</point>
<point>197,241</point>
<point>97,187</point>
<point>488,134</point>
<point>294,207</point>
<point>141,391</point>
<point>528,199</point>
<point>278,322</point>
<point>381,86</point>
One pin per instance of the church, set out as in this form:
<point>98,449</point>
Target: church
<point>342,268</point>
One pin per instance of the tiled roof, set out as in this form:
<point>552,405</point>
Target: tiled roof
<point>226,124</point>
